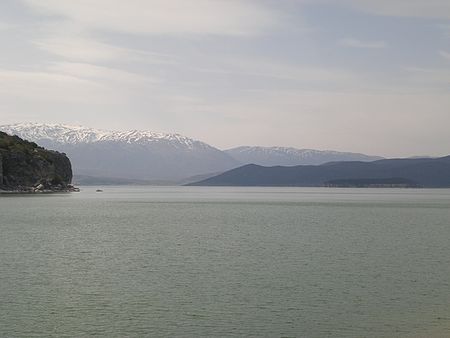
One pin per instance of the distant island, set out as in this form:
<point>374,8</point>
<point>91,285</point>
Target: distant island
<point>26,167</point>
<point>415,172</point>
<point>372,183</point>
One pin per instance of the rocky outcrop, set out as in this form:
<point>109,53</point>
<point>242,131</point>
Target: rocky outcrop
<point>24,166</point>
<point>1,171</point>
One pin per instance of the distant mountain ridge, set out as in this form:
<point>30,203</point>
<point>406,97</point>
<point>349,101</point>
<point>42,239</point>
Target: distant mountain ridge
<point>425,172</point>
<point>142,155</point>
<point>68,134</point>
<point>288,156</point>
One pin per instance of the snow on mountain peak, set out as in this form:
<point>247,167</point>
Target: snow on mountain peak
<point>283,151</point>
<point>288,156</point>
<point>69,134</point>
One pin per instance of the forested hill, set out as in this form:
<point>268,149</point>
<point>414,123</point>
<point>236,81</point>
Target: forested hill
<point>425,172</point>
<point>24,166</point>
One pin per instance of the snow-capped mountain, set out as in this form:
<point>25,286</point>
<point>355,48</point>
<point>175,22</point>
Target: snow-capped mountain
<point>285,156</point>
<point>146,155</point>
<point>67,134</point>
<point>126,154</point>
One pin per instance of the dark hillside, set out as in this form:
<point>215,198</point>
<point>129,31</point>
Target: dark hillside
<point>26,166</point>
<point>432,173</point>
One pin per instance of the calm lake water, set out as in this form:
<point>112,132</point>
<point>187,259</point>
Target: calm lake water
<point>217,262</point>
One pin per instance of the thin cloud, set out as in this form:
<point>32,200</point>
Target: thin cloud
<point>73,82</point>
<point>309,75</point>
<point>81,49</point>
<point>445,29</point>
<point>429,78</point>
<point>49,86</point>
<point>176,17</point>
<point>5,26</point>
<point>355,43</point>
<point>445,55</point>
<point>99,74</point>
<point>403,8</point>
<point>398,8</point>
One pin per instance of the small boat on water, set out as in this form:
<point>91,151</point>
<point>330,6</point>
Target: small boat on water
<point>99,190</point>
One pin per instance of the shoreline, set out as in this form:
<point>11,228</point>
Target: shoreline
<point>18,192</point>
<point>33,190</point>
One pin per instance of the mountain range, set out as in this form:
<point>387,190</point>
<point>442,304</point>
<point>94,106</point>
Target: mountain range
<point>151,156</point>
<point>413,172</point>
<point>141,155</point>
<point>287,156</point>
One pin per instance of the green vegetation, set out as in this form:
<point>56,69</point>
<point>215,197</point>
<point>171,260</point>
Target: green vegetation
<point>24,166</point>
<point>16,144</point>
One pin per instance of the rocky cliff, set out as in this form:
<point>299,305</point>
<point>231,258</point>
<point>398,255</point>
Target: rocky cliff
<point>24,166</point>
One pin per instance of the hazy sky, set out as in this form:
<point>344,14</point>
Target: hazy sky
<point>370,76</point>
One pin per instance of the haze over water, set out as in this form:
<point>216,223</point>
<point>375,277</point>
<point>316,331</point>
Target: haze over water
<point>204,262</point>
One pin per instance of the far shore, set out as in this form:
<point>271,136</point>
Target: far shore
<point>33,191</point>
<point>20,192</point>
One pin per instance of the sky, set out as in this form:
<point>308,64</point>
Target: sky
<point>370,76</point>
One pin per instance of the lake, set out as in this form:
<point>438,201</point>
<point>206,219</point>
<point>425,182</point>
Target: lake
<point>217,262</point>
